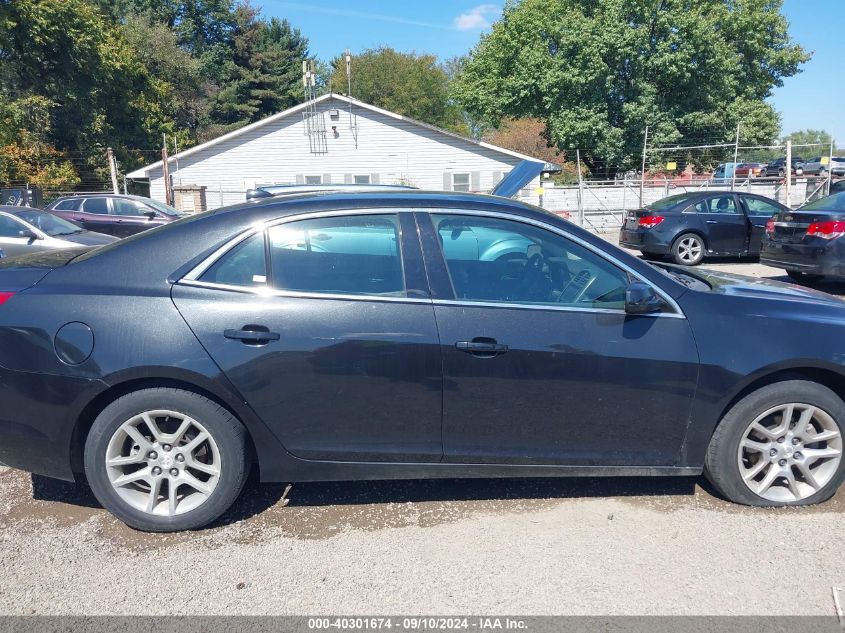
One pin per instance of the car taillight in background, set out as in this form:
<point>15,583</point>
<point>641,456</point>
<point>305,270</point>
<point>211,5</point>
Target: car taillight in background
<point>5,296</point>
<point>826,230</point>
<point>770,226</point>
<point>650,221</point>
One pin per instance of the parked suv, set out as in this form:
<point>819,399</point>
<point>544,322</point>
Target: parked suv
<point>778,167</point>
<point>113,214</point>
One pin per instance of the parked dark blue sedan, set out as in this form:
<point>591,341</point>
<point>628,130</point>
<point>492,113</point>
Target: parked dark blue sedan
<point>405,335</point>
<point>690,226</point>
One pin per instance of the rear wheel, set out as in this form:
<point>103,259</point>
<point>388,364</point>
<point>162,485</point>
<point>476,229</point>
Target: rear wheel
<point>652,257</point>
<point>780,445</point>
<point>164,459</point>
<point>803,278</point>
<point>688,249</point>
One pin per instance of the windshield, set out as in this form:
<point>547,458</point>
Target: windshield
<point>48,223</point>
<point>164,208</point>
<point>667,203</point>
<point>836,202</point>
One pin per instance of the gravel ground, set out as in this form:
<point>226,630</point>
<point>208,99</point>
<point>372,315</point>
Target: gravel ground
<point>535,547</point>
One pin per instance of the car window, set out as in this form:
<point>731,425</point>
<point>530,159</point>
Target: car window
<point>10,227</point>
<point>244,265</point>
<point>667,203</point>
<point>720,204</point>
<point>98,206</point>
<point>357,255</point>
<point>50,224</point>
<point>71,204</point>
<point>835,202</point>
<point>121,206</point>
<point>758,206</point>
<point>504,261</point>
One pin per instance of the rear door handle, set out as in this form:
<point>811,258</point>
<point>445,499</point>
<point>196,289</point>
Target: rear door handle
<point>482,347</point>
<point>712,221</point>
<point>256,335</point>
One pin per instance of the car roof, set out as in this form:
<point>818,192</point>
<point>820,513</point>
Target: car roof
<point>127,196</point>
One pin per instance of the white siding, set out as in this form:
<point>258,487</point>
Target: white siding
<point>391,151</point>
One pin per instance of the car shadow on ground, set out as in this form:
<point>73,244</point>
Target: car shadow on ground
<point>257,497</point>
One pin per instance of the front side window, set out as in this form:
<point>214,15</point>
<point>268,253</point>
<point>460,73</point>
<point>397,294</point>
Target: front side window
<point>47,222</point>
<point>357,255</point>
<point>244,265</point>
<point>97,206</point>
<point>460,182</point>
<point>503,261</point>
<point>121,206</point>
<point>10,227</point>
<point>756,206</point>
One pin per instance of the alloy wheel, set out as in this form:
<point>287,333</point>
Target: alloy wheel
<point>689,250</point>
<point>790,452</point>
<point>163,463</point>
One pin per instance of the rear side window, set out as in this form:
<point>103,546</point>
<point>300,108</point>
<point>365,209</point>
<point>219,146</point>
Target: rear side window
<point>358,255</point>
<point>98,206</point>
<point>244,265</point>
<point>71,204</point>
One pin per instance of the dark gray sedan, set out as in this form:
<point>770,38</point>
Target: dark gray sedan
<point>25,230</point>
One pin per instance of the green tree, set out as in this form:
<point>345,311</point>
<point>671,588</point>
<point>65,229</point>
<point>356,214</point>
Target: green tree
<point>820,139</point>
<point>406,83</point>
<point>264,73</point>
<point>598,71</point>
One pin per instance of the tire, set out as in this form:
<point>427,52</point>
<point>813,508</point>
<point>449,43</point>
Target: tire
<point>688,249</point>
<point>652,257</point>
<point>725,465</point>
<point>803,278</point>
<point>781,173</point>
<point>179,417</point>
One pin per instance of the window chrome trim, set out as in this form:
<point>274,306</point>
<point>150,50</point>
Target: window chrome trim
<point>550,307</point>
<point>192,277</point>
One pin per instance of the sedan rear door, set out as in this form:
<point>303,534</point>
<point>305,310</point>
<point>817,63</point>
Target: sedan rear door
<point>326,327</point>
<point>723,223</point>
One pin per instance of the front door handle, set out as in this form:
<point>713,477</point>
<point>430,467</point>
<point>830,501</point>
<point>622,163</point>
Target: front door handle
<point>482,347</point>
<point>712,221</point>
<point>253,335</point>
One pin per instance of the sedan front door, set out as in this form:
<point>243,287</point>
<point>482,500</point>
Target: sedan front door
<point>326,328</point>
<point>541,364</point>
<point>759,210</point>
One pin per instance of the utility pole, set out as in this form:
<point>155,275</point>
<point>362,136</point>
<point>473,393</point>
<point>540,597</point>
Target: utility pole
<point>580,189</point>
<point>642,177</point>
<point>736,155</point>
<point>176,156</point>
<point>830,167</point>
<point>113,170</point>
<point>165,169</point>
<point>788,171</point>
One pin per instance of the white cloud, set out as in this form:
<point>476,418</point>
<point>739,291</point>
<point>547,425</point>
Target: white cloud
<point>479,17</point>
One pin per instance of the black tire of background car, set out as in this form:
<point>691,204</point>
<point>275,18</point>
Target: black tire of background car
<point>228,433</point>
<point>721,467</point>
<point>652,257</point>
<point>803,278</point>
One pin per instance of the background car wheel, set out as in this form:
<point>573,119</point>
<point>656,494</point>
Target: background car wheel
<point>688,250</point>
<point>652,257</point>
<point>780,445</point>
<point>803,278</point>
<point>164,459</point>
<point>781,172</point>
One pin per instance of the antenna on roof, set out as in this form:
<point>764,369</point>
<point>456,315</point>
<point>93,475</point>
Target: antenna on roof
<point>353,121</point>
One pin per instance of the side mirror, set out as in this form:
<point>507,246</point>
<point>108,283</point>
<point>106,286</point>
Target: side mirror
<point>640,298</point>
<point>151,215</point>
<point>28,234</point>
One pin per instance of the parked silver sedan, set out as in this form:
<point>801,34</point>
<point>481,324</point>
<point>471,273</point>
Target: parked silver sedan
<point>27,230</point>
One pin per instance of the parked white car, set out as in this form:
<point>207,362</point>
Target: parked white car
<point>26,230</point>
<point>815,167</point>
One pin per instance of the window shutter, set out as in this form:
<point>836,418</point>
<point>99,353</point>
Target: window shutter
<point>374,179</point>
<point>327,179</point>
<point>447,181</point>
<point>348,179</point>
<point>300,179</point>
<point>475,181</point>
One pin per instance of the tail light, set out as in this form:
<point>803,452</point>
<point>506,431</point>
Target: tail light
<point>650,221</point>
<point>826,230</point>
<point>770,226</point>
<point>5,296</point>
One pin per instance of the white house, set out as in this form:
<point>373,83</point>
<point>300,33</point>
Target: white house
<point>333,139</point>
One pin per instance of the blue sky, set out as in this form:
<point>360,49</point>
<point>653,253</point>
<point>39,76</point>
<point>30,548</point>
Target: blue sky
<point>813,99</point>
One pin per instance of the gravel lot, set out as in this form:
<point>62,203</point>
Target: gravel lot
<point>618,546</point>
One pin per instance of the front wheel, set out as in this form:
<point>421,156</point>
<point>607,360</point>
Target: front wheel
<point>652,257</point>
<point>688,250</point>
<point>164,460</point>
<point>803,278</point>
<point>780,445</point>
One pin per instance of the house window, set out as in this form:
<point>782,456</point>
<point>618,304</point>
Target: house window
<point>362,180</point>
<point>460,182</point>
<point>313,180</point>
